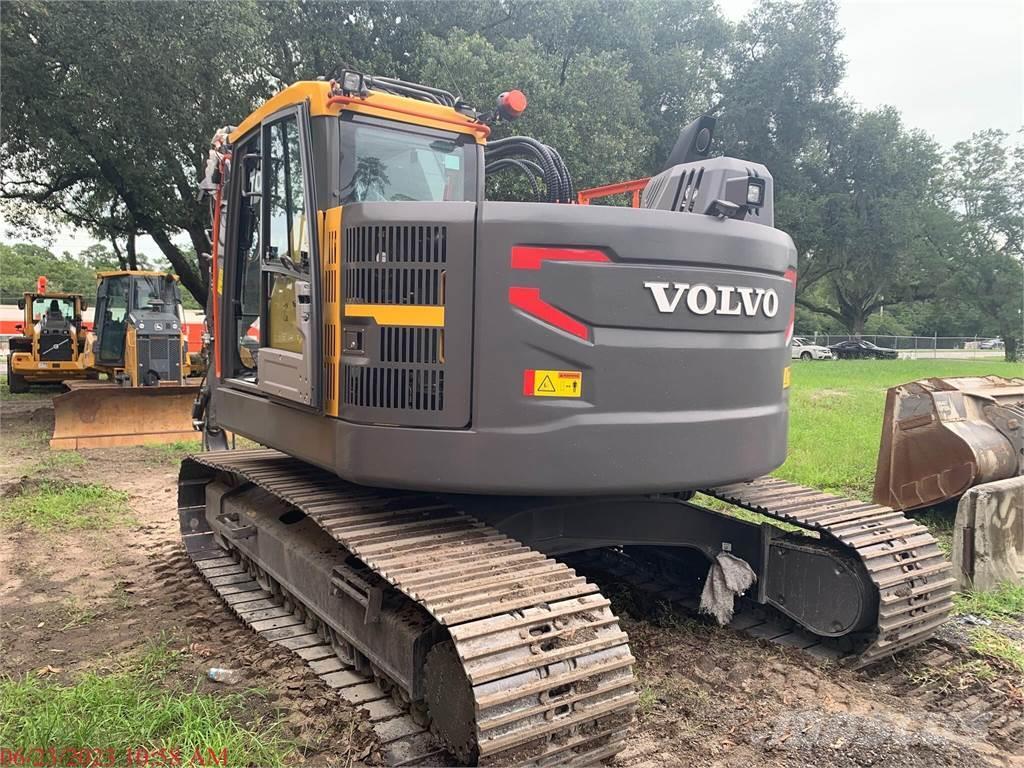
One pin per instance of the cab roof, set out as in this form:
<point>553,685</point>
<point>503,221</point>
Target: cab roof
<point>33,295</point>
<point>324,101</point>
<point>136,273</point>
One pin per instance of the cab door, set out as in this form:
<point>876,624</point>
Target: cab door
<point>289,355</point>
<point>274,311</point>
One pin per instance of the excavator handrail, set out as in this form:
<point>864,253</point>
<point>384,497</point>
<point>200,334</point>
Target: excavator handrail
<point>607,190</point>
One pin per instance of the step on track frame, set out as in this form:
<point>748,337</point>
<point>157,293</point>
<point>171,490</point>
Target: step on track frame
<point>549,668</point>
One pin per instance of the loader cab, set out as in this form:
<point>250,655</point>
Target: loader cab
<point>54,321</point>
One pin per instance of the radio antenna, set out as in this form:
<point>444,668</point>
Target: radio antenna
<point>458,93</point>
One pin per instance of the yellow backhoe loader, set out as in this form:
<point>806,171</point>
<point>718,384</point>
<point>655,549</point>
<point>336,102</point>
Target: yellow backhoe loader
<point>138,344</point>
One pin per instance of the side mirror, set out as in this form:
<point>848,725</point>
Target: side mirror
<point>84,305</point>
<point>21,303</point>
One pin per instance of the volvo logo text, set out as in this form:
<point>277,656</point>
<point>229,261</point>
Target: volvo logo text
<point>702,299</point>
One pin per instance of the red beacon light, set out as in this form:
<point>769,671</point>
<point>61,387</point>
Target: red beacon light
<point>511,104</point>
<point>41,285</point>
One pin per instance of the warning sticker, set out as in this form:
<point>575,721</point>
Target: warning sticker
<point>552,383</point>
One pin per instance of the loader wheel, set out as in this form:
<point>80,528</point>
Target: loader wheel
<point>15,382</point>
<point>805,356</point>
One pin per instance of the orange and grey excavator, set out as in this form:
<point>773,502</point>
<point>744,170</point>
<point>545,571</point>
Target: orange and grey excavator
<point>461,396</point>
<point>138,346</point>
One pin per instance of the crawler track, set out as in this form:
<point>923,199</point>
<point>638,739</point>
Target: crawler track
<point>914,579</point>
<point>548,668</point>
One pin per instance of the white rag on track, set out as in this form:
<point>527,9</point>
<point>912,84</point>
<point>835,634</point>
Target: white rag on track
<point>728,577</point>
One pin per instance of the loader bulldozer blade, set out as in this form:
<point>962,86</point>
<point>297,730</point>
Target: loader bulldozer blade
<point>941,437</point>
<point>103,414</point>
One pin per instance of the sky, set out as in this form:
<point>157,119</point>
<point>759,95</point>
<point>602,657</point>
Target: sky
<point>951,67</point>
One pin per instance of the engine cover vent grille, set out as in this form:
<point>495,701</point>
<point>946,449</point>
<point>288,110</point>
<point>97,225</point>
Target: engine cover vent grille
<point>689,186</point>
<point>160,354</point>
<point>411,345</point>
<point>395,264</point>
<point>406,389</point>
<point>408,367</point>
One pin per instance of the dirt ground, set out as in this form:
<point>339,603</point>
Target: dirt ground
<point>74,601</point>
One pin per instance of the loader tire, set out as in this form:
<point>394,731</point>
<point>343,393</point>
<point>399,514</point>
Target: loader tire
<point>15,382</point>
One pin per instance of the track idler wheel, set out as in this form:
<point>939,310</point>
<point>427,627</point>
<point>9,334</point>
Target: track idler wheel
<point>450,702</point>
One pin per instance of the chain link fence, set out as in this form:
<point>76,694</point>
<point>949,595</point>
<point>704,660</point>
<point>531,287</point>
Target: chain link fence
<point>923,347</point>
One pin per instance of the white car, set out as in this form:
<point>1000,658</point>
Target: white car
<point>802,349</point>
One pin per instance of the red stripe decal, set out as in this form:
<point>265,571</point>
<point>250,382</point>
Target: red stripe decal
<point>528,382</point>
<point>530,302</point>
<point>791,276</point>
<point>531,257</point>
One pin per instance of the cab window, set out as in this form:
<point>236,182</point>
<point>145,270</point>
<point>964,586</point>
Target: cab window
<point>288,242</point>
<point>153,292</point>
<point>382,162</point>
<point>48,306</point>
<point>287,254</point>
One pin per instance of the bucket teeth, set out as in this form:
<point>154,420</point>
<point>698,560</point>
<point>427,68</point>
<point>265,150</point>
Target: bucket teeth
<point>941,437</point>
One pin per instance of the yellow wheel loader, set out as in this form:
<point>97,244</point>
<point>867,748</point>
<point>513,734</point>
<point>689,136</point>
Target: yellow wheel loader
<point>139,346</point>
<point>51,347</point>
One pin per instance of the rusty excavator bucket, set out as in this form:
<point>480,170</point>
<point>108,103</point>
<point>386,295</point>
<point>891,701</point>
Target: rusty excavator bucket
<point>99,414</point>
<point>961,438</point>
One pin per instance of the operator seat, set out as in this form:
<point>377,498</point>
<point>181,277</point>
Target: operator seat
<point>54,320</point>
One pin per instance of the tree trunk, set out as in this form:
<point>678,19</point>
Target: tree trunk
<point>201,244</point>
<point>133,261</point>
<point>1011,347</point>
<point>190,277</point>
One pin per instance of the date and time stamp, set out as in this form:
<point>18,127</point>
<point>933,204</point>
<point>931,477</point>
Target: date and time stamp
<point>109,757</point>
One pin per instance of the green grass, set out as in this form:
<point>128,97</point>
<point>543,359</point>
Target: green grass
<point>955,675</point>
<point>1004,602</point>
<point>993,645</point>
<point>836,416</point>
<point>648,698</point>
<point>173,452</point>
<point>55,505</point>
<point>56,461</point>
<point>941,525</point>
<point>35,393</point>
<point>131,709</point>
